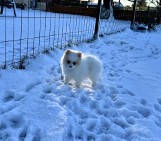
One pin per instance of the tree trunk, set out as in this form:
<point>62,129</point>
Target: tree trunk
<point>106,4</point>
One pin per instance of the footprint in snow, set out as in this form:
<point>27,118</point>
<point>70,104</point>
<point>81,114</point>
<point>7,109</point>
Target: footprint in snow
<point>54,81</point>
<point>10,95</point>
<point>103,125</point>
<point>143,110</point>
<point>157,106</point>
<point>114,90</point>
<point>54,69</point>
<point>58,69</point>
<point>13,126</point>
<point>128,92</point>
<point>29,87</point>
<point>3,125</point>
<point>119,103</point>
<point>91,125</point>
<point>144,102</point>
<point>130,113</point>
<point>159,101</point>
<point>158,121</point>
<point>10,101</point>
<point>26,133</point>
<point>51,70</point>
<point>130,120</point>
<point>48,89</point>
<point>23,134</point>
<point>7,108</point>
<point>5,136</point>
<point>121,122</point>
<point>15,122</point>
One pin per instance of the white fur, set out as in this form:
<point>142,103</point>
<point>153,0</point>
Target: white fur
<point>88,67</point>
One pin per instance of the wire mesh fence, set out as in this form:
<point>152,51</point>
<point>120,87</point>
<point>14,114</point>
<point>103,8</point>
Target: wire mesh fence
<point>34,31</point>
<point>109,25</point>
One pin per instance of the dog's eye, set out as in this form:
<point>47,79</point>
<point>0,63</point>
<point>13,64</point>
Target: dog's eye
<point>68,62</point>
<point>74,63</point>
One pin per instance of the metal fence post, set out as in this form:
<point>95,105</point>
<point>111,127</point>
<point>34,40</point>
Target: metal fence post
<point>97,19</point>
<point>14,7</point>
<point>2,5</point>
<point>133,16</point>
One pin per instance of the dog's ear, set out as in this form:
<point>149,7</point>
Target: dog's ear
<point>79,54</point>
<point>67,51</point>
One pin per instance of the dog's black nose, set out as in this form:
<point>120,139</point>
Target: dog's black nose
<point>70,66</point>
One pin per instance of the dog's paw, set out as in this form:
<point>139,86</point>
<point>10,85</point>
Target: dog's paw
<point>93,84</point>
<point>66,82</point>
<point>78,85</point>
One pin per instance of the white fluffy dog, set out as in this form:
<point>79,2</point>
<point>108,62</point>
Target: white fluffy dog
<point>78,67</point>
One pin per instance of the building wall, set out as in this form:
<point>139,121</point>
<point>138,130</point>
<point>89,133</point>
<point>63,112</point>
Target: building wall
<point>40,4</point>
<point>27,2</point>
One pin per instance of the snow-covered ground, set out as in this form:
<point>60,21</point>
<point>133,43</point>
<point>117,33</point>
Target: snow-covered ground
<point>125,105</point>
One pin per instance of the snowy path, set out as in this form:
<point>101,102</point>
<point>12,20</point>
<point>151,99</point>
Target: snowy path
<point>124,106</point>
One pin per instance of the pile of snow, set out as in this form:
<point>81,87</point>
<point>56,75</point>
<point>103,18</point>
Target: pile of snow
<point>124,105</point>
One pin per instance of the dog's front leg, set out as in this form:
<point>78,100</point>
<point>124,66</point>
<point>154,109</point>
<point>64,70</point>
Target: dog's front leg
<point>66,80</point>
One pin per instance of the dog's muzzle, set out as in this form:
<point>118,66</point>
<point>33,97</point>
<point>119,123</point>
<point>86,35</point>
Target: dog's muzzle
<point>70,66</point>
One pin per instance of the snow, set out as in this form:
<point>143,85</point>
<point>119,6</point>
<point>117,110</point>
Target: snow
<point>40,30</point>
<point>125,105</point>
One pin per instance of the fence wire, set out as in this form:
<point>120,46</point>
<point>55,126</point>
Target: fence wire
<point>108,24</point>
<point>35,31</point>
